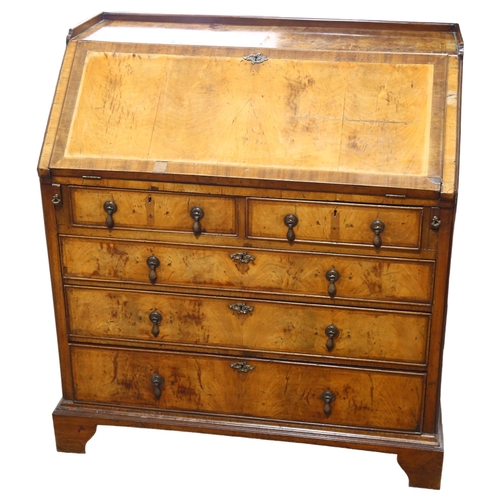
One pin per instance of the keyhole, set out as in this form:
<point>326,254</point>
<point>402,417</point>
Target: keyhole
<point>335,214</point>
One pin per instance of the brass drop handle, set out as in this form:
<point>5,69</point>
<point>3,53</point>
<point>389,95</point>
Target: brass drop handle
<point>331,332</point>
<point>155,317</point>
<point>197,214</point>
<point>377,226</point>
<point>157,381</point>
<point>435,222</point>
<point>332,276</point>
<point>328,397</point>
<point>290,221</point>
<point>110,208</point>
<point>153,264</point>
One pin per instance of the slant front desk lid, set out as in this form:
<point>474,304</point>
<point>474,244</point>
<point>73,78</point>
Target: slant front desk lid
<point>244,99</point>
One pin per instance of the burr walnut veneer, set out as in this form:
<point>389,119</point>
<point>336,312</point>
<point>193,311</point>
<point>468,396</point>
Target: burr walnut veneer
<point>249,226</point>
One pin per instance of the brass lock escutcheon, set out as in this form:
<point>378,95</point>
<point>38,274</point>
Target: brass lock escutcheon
<point>332,276</point>
<point>328,397</point>
<point>256,58</point>
<point>155,317</point>
<point>153,264</point>
<point>242,367</point>
<point>242,257</point>
<point>377,226</point>
<point>241,308</point>
<point>110,208</point>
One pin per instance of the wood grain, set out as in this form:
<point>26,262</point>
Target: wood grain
<point>344,123</point>
<point>299,114</point>
<point>152,210</point>
<point>335,223</point>
<point>278,390</point>
<point>282,273</point>
<point>270,327</point>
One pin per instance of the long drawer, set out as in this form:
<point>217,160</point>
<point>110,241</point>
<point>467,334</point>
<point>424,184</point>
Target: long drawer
<point>279,272</point>
<point>252,325</point>
<point>254,388</point>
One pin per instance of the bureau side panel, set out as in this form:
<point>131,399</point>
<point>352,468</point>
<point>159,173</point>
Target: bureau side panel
<point>438,321</point>
<point>50,212</point>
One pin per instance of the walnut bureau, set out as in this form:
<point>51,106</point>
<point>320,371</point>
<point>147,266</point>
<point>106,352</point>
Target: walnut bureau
<point>249,226</point>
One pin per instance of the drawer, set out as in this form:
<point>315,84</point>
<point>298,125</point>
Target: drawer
<point>332,223</point>
<point>284,391</point>
<point>277,272</point>
<point>152,210</point>
<point>252,325</point>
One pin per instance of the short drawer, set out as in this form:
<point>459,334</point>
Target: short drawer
<point>225,385</point>
<point>350,224</point>
<point>332,276</point>
<point>127,209</point>
<point>250,325</point>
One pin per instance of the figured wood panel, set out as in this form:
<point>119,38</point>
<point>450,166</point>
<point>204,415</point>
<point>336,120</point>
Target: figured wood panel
<point>335,223</point>
<point>301,114</point>
<point>269,326</point>
<point>152,210</point>
<point>295,273</point>
<point>277,390</point>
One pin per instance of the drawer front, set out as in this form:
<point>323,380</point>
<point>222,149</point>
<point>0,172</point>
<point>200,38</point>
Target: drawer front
<point>295,273</point>
<point>263,389</point>
<point>336,223</point>
<point>247,324</point>
<point>152,210</point>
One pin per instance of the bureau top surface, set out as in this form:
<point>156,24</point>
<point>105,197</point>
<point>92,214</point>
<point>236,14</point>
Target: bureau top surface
<point>374,105</point>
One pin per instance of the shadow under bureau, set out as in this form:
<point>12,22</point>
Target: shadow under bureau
<point>249,226</point>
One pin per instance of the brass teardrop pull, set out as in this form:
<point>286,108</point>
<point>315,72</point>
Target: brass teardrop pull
<point>157,381</point>
<point>110,208</point>
<point>197,214</point>
<point>155,317</point>
<point>153,264</point>
<point>328,397</point>
<point>377,226</point>
<point>332,276</point>
<point>331,332</point>
<point>290,221</point>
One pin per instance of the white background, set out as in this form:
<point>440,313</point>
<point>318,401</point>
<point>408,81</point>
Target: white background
<point>139,463</point>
